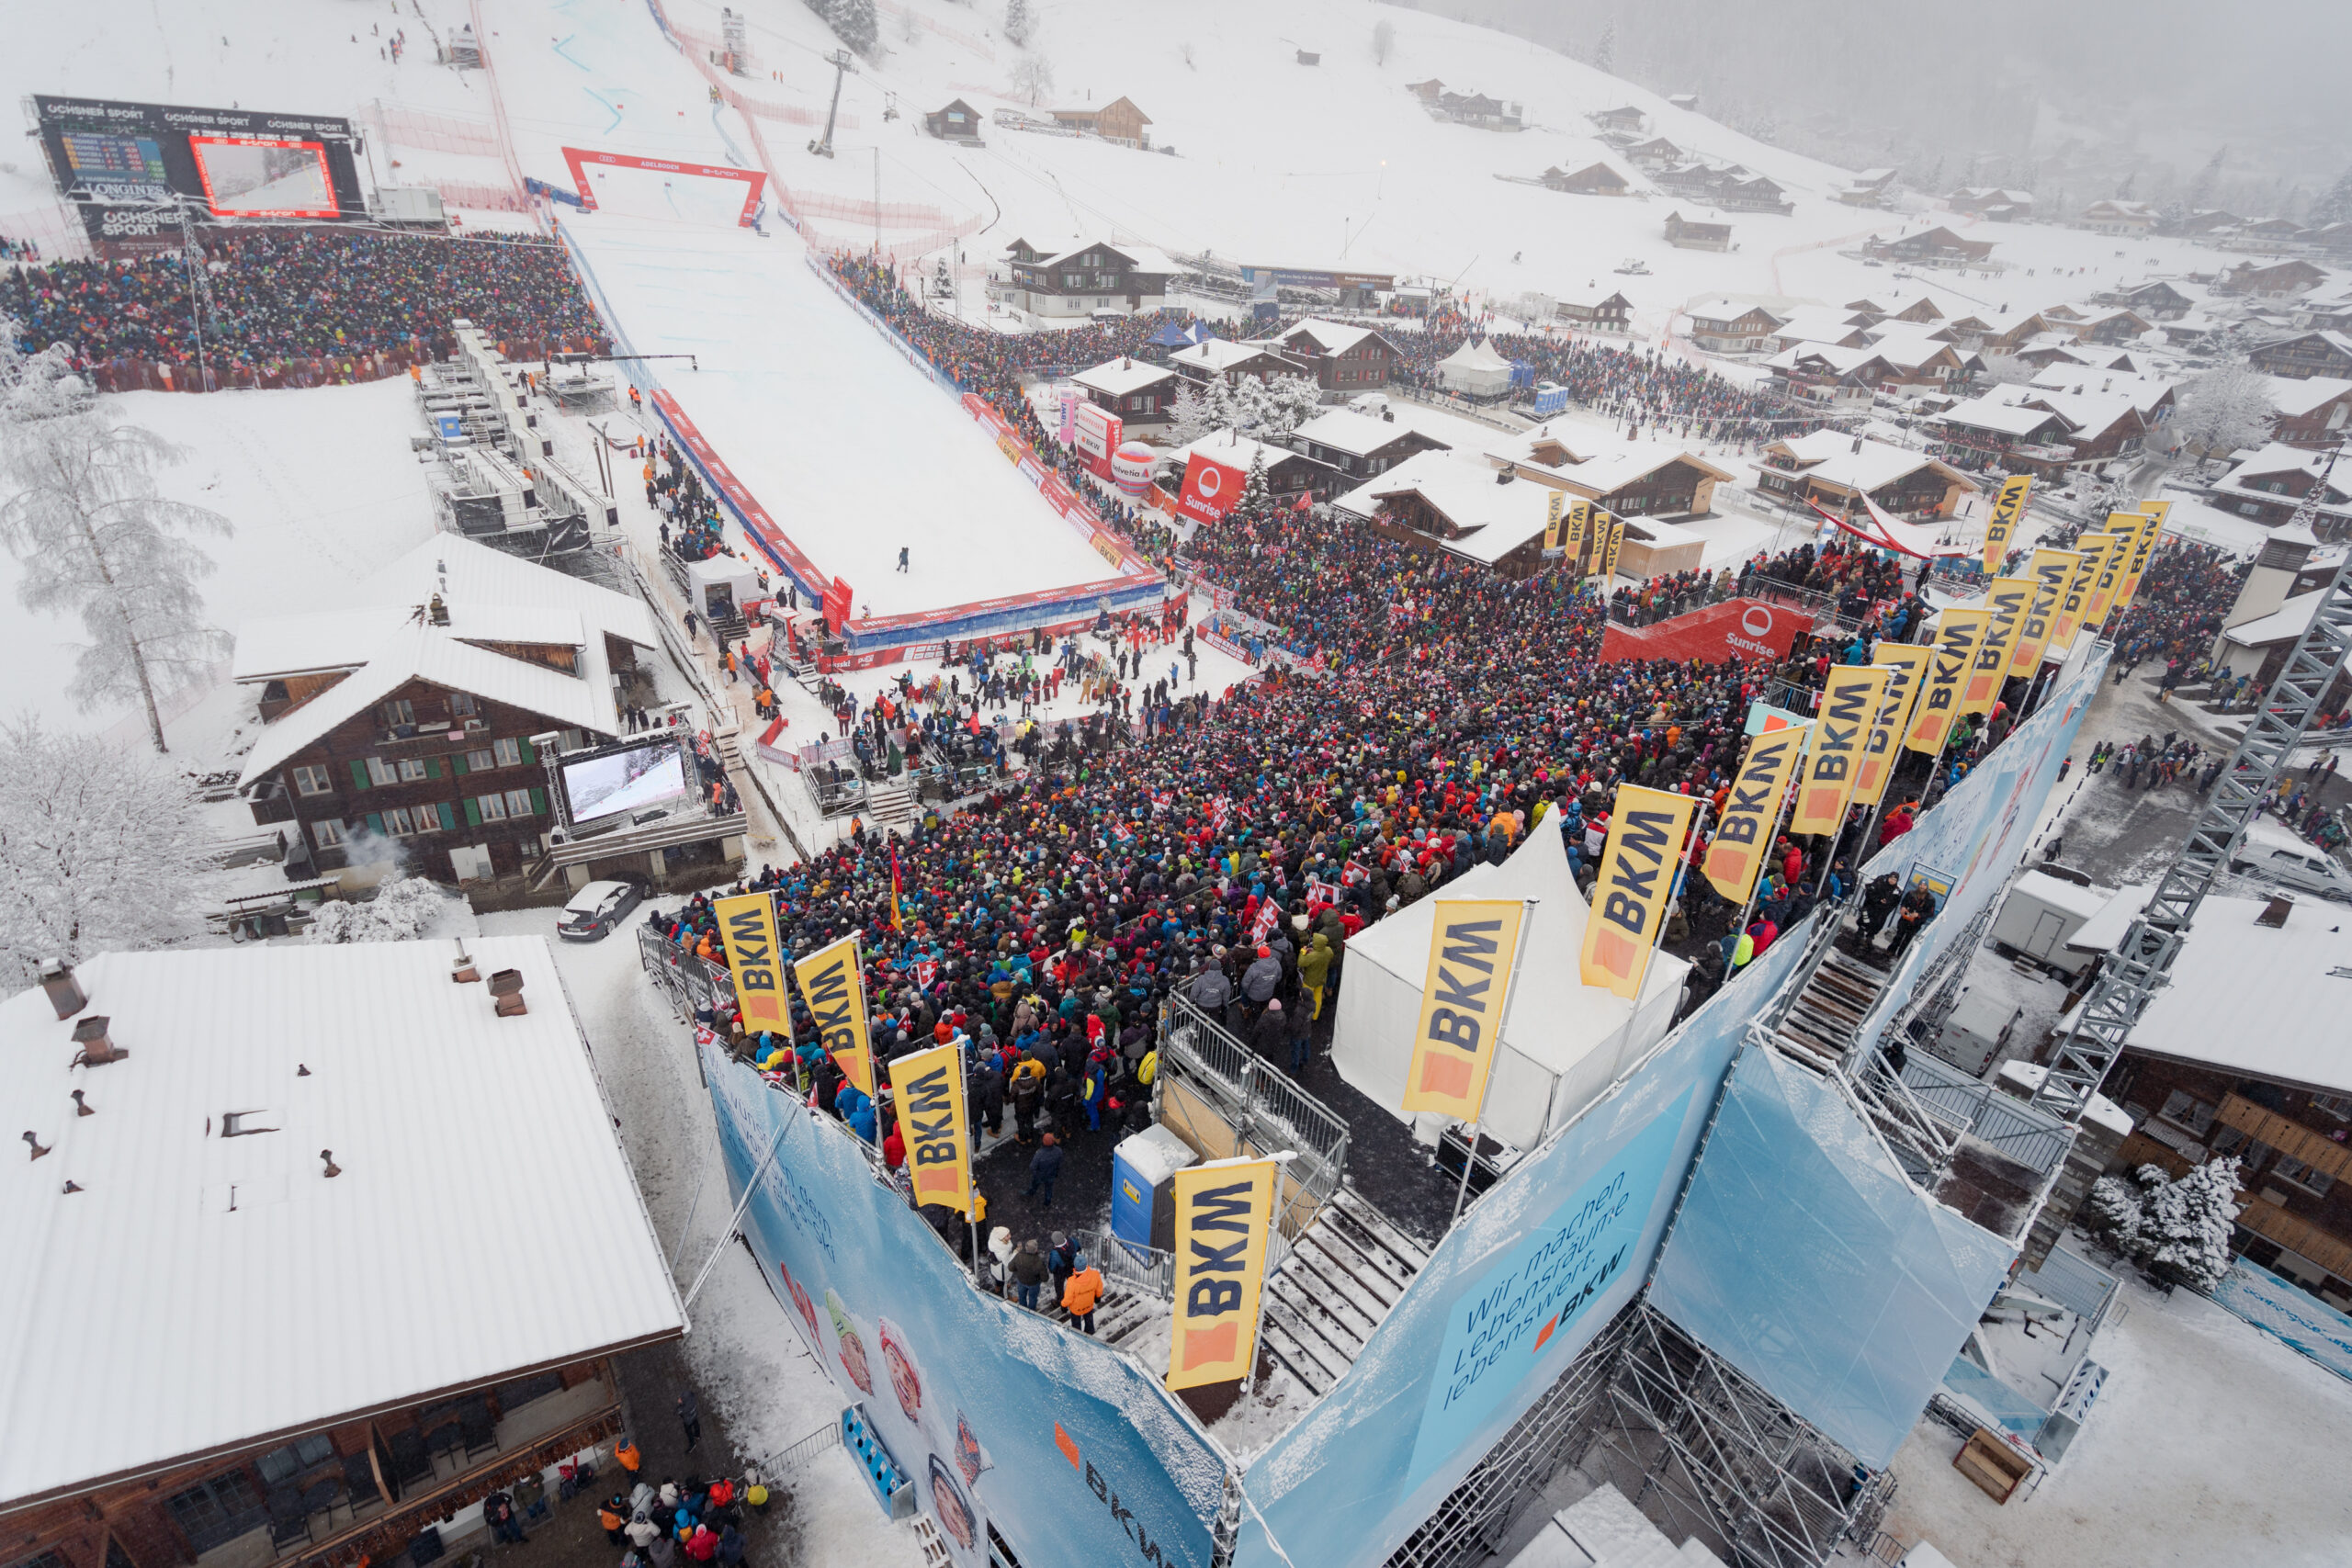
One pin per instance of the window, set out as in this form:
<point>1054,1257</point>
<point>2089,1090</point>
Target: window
<point>512,1397</point>
<point>509,752</point>
<point>281,1465</point>
<point>481,761</point>
<point>403,821</point>
<point>218,1510</point>
<point>492,807</point>
<point>326,833</point>
<point>380,771</point>
<point>2185,1110</point>
<point>2315,1183</point>
<point>397,712</point>
<point>518,803</point>
<point>461,702</point>
<point>412,770</point>
<point>2337,1105</point>
<point>309,780</point>
<point>244,1125</point>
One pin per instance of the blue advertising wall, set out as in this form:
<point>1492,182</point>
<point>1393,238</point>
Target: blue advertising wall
<point>1511,1295</point>
<point>1806,1259</point>
<point>1078,1457</point>
<point>2289,1314</point>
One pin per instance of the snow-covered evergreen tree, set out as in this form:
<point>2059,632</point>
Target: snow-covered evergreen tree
<point>1289,402</point>
<point>1384,40</point>
<point>1604,53</point>
<point>98,850</point>
<point>97,540</point>
<point>2114,1213</point>
<point>1019,26</point>
<point>1256,501</point>
<point>2186,1227</point>
<point>1190,417</point>
<point>2335,203</point>
<point>855,22</point>
<point>2223,410</point>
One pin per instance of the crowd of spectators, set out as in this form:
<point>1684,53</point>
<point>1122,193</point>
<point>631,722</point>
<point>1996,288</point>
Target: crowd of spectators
<point>293,306</point>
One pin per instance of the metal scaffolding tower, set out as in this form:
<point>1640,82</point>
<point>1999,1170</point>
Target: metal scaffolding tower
<point>2142,963</point>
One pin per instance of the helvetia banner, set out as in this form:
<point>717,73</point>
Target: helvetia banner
<point>833,984</point>
<point>1905,664</point>
<point>2008,507</point>
<point>1957,633</point>
<point>1210,489</point>
<point>1472,947</point>
<point>747,928</point>
<point>927,1087</point>
<point>1224,1213</point>
<point>1638,865</point>
<point>2050,571</point>
<point>1744,830</point>
<point>1848,698</point>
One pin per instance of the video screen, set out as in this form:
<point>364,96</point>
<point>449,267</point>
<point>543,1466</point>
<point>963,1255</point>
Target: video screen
<point>264,178</point>
<point>118,168</point>
<point>623,781</point>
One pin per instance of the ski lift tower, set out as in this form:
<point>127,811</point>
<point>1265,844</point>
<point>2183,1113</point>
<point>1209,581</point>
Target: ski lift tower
<point>823,145</point>
<point>2142,963</point>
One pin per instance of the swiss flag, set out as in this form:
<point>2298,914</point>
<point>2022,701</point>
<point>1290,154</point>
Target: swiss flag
<point>1210,489</point>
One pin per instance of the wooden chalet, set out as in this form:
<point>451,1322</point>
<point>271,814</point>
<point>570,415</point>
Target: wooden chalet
<point>2279,281</point>
<point>1118,122</point>
<point>1932,247</point>
<point>1342,359</point>
<point>2305,355</point>
<point>1596,310</point>
<point>1138,391</point>
<point>2313,412</point>
<point>1080,282</point>
<point>2118,217</point>
<point>1593,179</point>
<point>1217,360</point>
<point>2154,301</point>
<point>1685,234</point>
<point>1656,152</point>
<point>955,121</point>
<point>1622,117</point>
<point>1725,326</point>
<point>1833,469</point>
<point>1358,445</point>
<point>1993,203</point>
<point>2270,484</point>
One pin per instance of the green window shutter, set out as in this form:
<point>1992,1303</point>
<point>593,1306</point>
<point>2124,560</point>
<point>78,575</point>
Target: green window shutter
<point>375,823</point>
<point>360,772</point>
<point>473,813</point>
<point>528,754</point>
<point>433,767</point>
<point>448,817</point>
<point>539,803</point>
<point>458,763</point>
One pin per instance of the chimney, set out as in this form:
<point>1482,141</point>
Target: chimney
<point>461,969</point>
<point>97,1050</point>
<point>81,1106</point>
<point>2274,914</point>
<point>333,1169</point>
<point>438,611</point>
<point>65,993</point>
<point>1858,442</point>
<point>506,985</point>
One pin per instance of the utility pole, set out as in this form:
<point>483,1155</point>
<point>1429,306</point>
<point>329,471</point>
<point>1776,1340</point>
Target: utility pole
<point>199,288</point>
<point>2142,964</point>
<point>823,145</point>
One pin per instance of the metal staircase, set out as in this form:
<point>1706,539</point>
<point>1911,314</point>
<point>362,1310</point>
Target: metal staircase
<point>1825,1022</point>
<point>1341,1276</point>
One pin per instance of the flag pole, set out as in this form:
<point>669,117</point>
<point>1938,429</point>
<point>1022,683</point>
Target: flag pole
<point>1682,881</point>
<point>1280,1161</point>
<point>1510,991</point>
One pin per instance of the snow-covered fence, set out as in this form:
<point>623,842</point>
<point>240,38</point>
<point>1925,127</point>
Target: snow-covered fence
<point>432,130</point>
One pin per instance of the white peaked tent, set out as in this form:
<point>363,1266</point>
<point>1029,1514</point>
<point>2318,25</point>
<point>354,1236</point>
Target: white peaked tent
<point>1563,1042</point>
<point>1476,370</point>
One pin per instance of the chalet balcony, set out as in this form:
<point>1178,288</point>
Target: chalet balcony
<point>416,739</point>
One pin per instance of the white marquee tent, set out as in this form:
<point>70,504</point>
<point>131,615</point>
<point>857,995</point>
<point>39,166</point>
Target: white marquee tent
<point>1563,1042</point>
<point>1476,370</point>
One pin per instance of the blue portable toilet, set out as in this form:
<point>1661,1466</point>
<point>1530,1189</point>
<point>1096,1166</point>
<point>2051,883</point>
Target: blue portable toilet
<point>1142,1173</point>
<point>1551,398</point>
<point>1522,374</point>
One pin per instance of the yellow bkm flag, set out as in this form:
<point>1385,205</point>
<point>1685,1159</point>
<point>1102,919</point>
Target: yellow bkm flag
<point>747,929</point>
<point>1848,699</point>
<point>2091,548</point>
<point>2143,546</point>
<point>2003,524</point>
<point>1554,510</point>
<point>1472,948</point>
<point>1905,664</point>
<point>1744,832</point>
<point>1578,509</point>
<point>1224,1213</point>
<point>833,984</point>
<point>1957,633</point>
<point>927,1087</point>
<point>1638,865</point>
<point>2050,571</point>
<point>1609,551</point>
<point>2007,600</point>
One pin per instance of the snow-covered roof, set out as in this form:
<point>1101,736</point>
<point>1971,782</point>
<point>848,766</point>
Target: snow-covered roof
<point>2059,894</point>
<point>2278,457</point>
<point>2143,392</point>
<point>2201,524</point>
<point>1830,456</point>
<point>1117,377</point>
<point>1841,358</point>
<point>1500,517</point>
<point>2294,399</point>
<point>1218,355</point>
<point>2288,1026</point>
<point>2282,625</point>
<point>1331,337</point>
<point>1997,414</point>
<point>1722,309</point>
<point>1344,430</point>
<point>2090,412</point>
<point>1234,450</point>
<point>224,1289</point>
<point>385,641</point>
<point>1821,323</point>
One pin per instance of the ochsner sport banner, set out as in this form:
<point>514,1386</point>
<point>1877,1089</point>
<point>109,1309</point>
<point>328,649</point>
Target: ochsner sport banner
<point>1848,698</point>
<point>999,1418</point>
<point>1224,1212</point>
<point>2007,509</point>
<point>833,984</point>
<point>927,1087</point>
<point>1957,635</point>
<point>747,928</point>
<point>1472,947</point>
<point>1904,663</point>
<point>1744,832</point>
<point>1210,489</point>
<point>1638,865</point>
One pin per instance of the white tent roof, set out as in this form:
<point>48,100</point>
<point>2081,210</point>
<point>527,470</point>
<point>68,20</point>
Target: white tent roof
<point>199,1292</point>
<point>1563,1040</point>
<point>1480,355</point>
